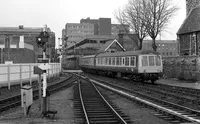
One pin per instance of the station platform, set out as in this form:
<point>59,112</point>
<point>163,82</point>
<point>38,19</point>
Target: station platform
<point>179,83</point>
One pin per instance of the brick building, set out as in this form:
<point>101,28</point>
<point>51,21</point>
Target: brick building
<point>18,44</point>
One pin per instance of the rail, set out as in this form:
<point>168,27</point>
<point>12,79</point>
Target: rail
<point>11,74</point>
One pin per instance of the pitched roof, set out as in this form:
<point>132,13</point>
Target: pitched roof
<point>191,23</point>
<point>108,44</point>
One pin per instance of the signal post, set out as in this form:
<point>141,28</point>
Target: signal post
<point>41,41</point>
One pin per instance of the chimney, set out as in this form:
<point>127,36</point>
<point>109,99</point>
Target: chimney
<point>121,39</point>
<point>21,27</point>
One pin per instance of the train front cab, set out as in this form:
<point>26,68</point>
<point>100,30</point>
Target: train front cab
<point>150,67</point>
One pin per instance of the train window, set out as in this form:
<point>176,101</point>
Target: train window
<point>144,61</point>
<point>123,60</point>
<point>106,59</point>
<point>132,62</point>
<point>127,61</point>
<point>151,61</point>
<point>110,61</point>
<point>113,61</point>
<point>99,61</point>
<point>158,61</point>
<point>96,61</point>
<point>120,61</point>
<point>117,61</point>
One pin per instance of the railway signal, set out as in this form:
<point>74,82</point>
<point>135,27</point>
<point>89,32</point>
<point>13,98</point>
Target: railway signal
<point>41,41</point>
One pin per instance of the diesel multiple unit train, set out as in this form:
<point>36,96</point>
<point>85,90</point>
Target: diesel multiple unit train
<point>137,65</point>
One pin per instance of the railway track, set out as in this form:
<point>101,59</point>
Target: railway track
<point>92,108</point>
<point>169,111</point>
<point>14,101</point>
<point>179,95</point>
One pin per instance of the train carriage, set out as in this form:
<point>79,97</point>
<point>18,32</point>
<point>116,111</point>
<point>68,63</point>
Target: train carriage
<point>138,65</point>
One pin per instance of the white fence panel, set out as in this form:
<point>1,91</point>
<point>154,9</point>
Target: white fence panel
<point>18,73</point>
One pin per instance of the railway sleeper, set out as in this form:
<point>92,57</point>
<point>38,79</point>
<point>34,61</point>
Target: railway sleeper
<point>48,113</point>
<point>104,122</point>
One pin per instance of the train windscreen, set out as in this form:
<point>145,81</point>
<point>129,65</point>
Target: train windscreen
<point>158,60</point>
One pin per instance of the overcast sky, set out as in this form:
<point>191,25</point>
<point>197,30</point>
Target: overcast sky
<point>56,13</point>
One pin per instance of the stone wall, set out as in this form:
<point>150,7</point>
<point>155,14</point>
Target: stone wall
<point>182,67</point>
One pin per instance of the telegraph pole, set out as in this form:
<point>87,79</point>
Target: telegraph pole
<point>41,40</point>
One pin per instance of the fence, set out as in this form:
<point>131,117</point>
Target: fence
<point>18,73</point>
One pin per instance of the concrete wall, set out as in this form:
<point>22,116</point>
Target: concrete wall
<point>19,55</point>
<point>182,67</point>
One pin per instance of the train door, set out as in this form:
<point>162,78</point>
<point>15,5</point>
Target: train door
<point>123,61</point>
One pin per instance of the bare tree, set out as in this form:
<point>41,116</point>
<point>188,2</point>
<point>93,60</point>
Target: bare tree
<point>131,16</point>
<point>147,18</point>
<point>157,14</point>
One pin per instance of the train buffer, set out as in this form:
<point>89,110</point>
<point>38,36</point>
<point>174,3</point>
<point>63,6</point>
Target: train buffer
<point>48,113</point>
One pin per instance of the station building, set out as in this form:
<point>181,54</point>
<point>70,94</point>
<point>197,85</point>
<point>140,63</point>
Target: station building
<point>189,33</point>
<point>18,44</point>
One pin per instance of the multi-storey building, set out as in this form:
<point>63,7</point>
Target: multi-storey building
<point>119,29</point>
<point>18,44</point>
<point>164,47</point>
<point>102,26</point>
<point>77,31</point>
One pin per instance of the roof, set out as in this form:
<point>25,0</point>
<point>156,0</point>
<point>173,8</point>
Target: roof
<point>24,30</point>
<point>108,44</point>
<point>129,53</point>
<point>16,29</point>
<point>191,23</point>
<point>92,37</point>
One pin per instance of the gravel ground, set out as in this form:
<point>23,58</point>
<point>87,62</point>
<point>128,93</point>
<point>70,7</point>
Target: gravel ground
<point>61,101</point>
